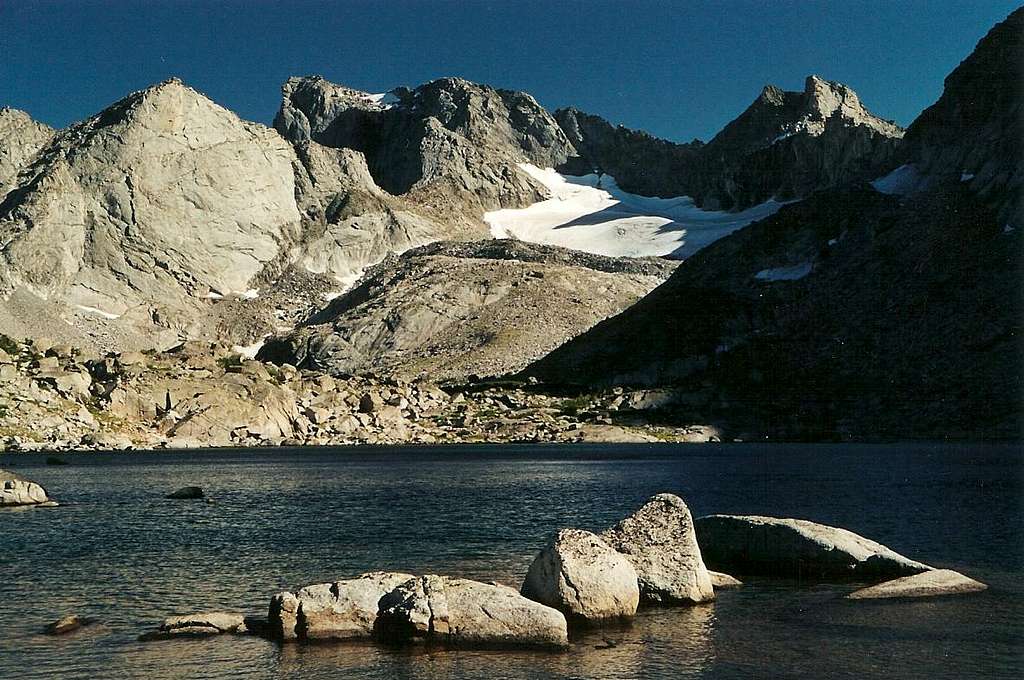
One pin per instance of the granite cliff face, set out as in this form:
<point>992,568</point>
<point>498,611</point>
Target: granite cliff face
<point>449,145</point>
<point>786,145</point>
<point>146,208</point>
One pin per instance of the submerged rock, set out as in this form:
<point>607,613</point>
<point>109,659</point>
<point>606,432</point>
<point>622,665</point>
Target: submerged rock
<point>458,612</point>
<point>581,575</point>
<point>720,580</point>
<point>16,490</point>
<point>198,625</point>
<point>659,541</point>
<point>67,624</point>
<point>795,547</point>
<point>926,584</point>
<point>342,610</point>
<point>186,493</point>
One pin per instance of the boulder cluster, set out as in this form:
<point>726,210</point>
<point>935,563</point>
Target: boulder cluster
<point>654,557</point>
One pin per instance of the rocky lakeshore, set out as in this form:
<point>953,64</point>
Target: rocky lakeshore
<point>56,397</point>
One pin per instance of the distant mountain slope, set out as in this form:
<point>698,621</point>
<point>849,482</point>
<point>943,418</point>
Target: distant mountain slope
<point>450,310</point>
<point>975,131</point>
<point>852,312</point>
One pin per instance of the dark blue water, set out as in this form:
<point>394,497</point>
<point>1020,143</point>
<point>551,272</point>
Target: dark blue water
<point>117,551</point>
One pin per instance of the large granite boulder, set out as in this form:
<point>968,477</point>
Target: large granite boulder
<point>342,610</point>
<point>16,490</point>
<point>660,543</point>
<point>458,612</point>
<point>198,625</point>
<point>926,584</point>
<point>581,575</point>
<point>795,547</point>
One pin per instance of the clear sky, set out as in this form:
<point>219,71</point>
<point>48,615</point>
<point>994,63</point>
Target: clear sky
<point>676,69</point>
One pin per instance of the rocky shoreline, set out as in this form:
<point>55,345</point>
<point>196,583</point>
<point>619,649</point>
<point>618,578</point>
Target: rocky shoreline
<point>197,395</point>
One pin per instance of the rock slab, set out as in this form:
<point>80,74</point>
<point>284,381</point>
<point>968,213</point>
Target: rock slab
<point>343,610</point>
<point>579,574</point>
<point>456,612</point>
<point>926,584</point>
<point>795,547</point>
<point>198,625</point>
<point>660,542</point>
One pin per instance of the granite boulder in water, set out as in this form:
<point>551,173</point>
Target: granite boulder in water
<point>926,584</point>
<point>198,625</point>
<point>456,612</point>
<point>581,575</point>
<point>659,541</point>
<point>15,490</point>
<point>795,547</point>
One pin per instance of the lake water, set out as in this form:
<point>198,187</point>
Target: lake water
<point>117,551</point>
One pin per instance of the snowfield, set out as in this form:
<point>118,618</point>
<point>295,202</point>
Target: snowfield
<point>591,213</point>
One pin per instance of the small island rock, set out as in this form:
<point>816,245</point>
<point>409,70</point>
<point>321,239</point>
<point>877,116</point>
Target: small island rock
<point>456,612</point>
<point>659,541</point>
<point>186,493</point>
<point>67,624</point>
<point>579,574</point>
<point>926,584</point>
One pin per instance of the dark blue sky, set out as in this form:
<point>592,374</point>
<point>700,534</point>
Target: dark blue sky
<point>677,69</point>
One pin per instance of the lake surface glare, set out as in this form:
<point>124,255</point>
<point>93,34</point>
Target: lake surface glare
<point>119,552</point>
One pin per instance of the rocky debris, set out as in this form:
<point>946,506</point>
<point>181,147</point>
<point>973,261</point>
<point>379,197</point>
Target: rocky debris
<point>67,624</point>
<point>927,584</point>
<point>455,612</point>
<point>186,493</point>
<point>452,310</point>
<point>659,541</point>
<point>581,575</point>
<point>795,547</point>
<point>720,580</point>
<point>972,134</point>
<point>786,145</point>
<point>198,625</point>
<point>205,394</point>
<point>21,138</point>
<point>16,490</point>
<point>342,610</point>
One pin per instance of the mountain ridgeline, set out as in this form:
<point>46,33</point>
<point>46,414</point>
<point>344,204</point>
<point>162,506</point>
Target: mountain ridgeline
<point>351,237</point>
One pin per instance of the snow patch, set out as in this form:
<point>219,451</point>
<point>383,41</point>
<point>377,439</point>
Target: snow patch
<point>250,294</point>
<point>1008,228</point>
<point>591,213</point>
<point>250,351</point>
<point>793,273</point>
<point>383,99</point>
<point>98,312</point>
<point>900,182</point>
<point>966,176</point>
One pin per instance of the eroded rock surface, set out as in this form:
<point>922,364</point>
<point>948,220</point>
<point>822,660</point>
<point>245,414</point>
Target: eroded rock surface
<point>461,613</point>
<point>659,541</point>
<point>198,625</point>
<point>579,574</point>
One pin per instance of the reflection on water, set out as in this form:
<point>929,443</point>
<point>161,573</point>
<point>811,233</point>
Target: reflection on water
<point>119,552</point>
